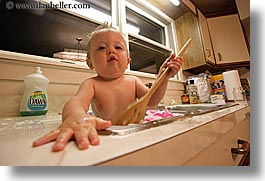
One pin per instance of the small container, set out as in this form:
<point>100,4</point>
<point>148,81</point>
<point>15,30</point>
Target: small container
<point>239,95</point>
<point>185,99</point>
<point>193,93</point>
<point>35,100</point>
<point>202,81</point>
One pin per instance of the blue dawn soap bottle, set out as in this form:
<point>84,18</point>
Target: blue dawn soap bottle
<point>35,100</point>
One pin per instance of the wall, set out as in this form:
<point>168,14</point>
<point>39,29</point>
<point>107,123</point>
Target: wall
<point>64,81</point>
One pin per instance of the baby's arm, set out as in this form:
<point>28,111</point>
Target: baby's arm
<point>76,122</point>
<point>174,63</point>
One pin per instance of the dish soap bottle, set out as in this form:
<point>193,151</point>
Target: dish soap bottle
<point>35,100</point>
<point>193,93</point>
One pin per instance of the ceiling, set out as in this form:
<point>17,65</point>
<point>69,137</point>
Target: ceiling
<point>209,8</point>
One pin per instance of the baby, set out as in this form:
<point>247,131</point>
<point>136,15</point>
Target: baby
<point>109,92</point>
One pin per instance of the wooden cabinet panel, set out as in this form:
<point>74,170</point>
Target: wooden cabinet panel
<point>218,42</point>
<point>187,27</point>
<point>228,39</point>
<point>207,44</point>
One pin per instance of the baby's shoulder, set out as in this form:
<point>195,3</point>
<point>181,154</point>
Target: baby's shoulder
<point>131,77</point>
<point>134,80</point>
<point>89,81</point>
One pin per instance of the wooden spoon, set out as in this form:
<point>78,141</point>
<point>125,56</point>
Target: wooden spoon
<point>136,110</point>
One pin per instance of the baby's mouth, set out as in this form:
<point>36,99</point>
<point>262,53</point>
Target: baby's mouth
<point>112,58</point>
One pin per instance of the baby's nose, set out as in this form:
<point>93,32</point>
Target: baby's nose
<point>111,50</point>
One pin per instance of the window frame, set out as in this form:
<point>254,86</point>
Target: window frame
<point>149,11</point>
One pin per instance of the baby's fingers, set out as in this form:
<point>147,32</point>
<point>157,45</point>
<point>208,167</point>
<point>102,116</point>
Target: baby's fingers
<point>175,65</point>
<point>85,137</point>
<point>93,137</point>
<point>62,139</point>
<point>102,124</point>
<point>81,137</point>
<point>46,138</point>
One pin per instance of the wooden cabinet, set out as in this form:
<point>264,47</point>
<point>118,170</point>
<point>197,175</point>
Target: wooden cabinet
<point>207,44</point>
<point>187,27</point>
<point>228,39</point>
<point>218,42</point>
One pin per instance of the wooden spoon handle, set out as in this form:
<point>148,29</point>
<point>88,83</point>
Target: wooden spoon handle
<point>183,49</point>
<point>163,75</point>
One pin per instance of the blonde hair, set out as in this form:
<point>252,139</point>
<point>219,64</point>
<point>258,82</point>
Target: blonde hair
<point>102,27</point>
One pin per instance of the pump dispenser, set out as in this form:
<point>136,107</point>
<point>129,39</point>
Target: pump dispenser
<point>35,100</point>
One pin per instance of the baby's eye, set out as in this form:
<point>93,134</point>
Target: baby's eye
<point>101,48</point>
<point>118,47</point>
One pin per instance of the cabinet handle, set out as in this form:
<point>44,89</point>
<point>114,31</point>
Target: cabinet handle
<point>243,149</point>
<point>219,56</point>
<point>209,52</point>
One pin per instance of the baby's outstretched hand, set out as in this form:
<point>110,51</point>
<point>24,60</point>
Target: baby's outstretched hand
<point>174,63</point>
<point>82,128</point>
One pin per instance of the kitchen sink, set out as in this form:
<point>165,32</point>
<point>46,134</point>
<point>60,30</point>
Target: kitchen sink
<point>180,111</point>
<point>195,109</point>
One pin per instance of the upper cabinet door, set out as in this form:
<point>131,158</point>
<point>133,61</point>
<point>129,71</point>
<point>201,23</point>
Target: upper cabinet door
<point>228,39</point>
<point>207,45</point>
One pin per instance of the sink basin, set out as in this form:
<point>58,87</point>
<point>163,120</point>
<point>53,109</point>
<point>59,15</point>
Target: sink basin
<point>197,109</point>
<point>194,108</point>
<point>183,110</point>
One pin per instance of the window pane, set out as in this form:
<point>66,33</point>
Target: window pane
<point>26,32</point>
<point>44,32</point>
<point>146,57</point>
<point>147,28</point>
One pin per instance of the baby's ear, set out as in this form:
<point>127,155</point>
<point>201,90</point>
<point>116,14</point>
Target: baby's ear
<point>89,63</point>
<point>128,61</point>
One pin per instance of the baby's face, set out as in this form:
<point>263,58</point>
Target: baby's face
<point>108,54</point>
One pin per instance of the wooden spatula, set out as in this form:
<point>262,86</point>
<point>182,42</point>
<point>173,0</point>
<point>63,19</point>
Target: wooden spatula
<point>136,110</point>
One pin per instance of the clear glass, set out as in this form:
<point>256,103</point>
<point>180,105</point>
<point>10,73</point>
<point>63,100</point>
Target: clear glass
<point>146,57</point>
<point>239,95</point>
<point>145,26</point>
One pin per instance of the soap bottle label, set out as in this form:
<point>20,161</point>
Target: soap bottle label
<point>37,101</point>
<point>194,97</point>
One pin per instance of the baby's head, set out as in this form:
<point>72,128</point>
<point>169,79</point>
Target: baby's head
<point>107,52</point>
<point>104,27</point>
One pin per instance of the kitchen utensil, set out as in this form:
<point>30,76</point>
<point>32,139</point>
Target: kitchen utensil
<point>136,110</point>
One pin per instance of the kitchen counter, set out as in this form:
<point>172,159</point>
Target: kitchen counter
<point>18,133</point>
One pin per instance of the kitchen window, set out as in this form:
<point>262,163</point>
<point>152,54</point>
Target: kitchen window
<point>146,57</point>
<point>138,24</point>
<point>149,36</point>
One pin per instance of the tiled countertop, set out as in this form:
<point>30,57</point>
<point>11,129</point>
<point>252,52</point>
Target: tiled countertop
<point>17,135</point>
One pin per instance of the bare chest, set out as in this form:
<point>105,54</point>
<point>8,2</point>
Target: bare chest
<point>110,100</point>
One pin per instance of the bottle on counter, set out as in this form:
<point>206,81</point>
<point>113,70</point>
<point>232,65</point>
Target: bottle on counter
<point>35,100</point>
<point>185,99</point>
<point>193,93</point>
